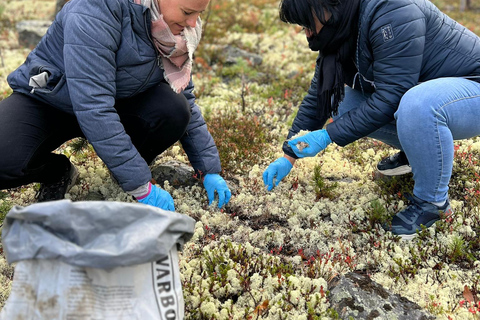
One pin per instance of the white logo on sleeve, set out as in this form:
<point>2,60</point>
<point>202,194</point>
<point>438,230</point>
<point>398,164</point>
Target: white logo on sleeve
<point>387,32</point>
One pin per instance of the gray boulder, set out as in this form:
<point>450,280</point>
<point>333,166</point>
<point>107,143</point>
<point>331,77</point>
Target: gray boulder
<point>233,53</point>
<point>180,174</point>
<point>356,296</point>
<point>31,31</point>
<point>230,55</point>
<point>177,173</point>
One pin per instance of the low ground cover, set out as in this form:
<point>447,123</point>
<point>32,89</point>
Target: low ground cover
<point>270,255</point>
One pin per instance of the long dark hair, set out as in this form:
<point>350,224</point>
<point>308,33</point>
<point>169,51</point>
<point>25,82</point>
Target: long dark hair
<point>301,12</point>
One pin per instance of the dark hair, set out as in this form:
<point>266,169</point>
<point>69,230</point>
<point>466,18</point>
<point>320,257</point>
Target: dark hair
<point>301,12</point>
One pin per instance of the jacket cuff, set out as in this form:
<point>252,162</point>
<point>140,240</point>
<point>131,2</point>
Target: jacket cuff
<point>141,192</point>
<point>288,150</point>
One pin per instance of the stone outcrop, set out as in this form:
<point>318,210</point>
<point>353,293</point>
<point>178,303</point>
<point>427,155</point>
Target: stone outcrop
<point>233,53</point>
<point>176,173</point>
<point>31,31</point>
<point>356,296</point>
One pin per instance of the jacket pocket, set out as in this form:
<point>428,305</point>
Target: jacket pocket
<point>46,79</point>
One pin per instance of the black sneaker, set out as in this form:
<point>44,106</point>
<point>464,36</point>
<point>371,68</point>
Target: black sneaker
<point>418,213</point>
<point>57,190</point>
<point>394,165</point>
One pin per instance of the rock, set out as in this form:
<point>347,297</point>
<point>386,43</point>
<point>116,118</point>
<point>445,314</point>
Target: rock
<point>357,296</point>
<point>180,174</point>
<point>31,31</point>
<point>293,74</point>
<point>94,196</point>
<point>177,173</point>
<point>230,54</point>
<point>233,53</point>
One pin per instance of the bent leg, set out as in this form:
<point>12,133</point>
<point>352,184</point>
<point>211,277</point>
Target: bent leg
<point>30,130</point>
<point>386,134</point>
<point>154,119</point>
<point>430,116</point>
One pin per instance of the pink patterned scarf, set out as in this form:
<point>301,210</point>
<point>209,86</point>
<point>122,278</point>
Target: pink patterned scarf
<point>176,50</point>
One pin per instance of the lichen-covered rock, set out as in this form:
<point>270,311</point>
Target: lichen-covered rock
<point>356,296</point>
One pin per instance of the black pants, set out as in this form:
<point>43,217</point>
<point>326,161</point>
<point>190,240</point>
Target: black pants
<point>30,130</point>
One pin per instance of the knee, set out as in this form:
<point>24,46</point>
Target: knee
<point>174,116</point>
<point>415,107</point>
<point>181,113</point>
<point>168,109</point>
<point>175,106</point>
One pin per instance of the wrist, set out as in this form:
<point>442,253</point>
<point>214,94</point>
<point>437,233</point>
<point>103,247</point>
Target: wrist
<point>289,158</point>
<point>142,191</point>
<point>327,137</point>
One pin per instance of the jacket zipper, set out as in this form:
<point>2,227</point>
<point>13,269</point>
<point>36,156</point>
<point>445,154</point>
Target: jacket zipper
<point>357,60</point>
<point>40,70</point>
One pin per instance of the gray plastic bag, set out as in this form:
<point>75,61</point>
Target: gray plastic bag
<point>94,260</point>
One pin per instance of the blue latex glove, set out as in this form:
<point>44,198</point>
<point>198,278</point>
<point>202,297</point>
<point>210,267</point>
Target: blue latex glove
<point>159,198</point>
<point>276,170</point>
<point>214,182</point>
<point>316,141</point>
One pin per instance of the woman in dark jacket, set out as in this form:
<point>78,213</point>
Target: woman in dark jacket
<point>117,72</point>
<point>412,77</point>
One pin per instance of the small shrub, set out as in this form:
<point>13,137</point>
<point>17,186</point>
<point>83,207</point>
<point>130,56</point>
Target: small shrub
<point>241,140</point>
<point>465,180</point>
<point>392,189</point>
<point>457,249</point>
<point>323,187</point>
<point>377,214</point>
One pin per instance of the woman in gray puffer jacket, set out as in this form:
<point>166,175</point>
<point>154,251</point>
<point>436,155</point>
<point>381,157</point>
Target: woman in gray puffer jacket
<point>117,72</point>
<point>412,76</point>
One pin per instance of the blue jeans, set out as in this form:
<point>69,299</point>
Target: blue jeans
<point>429,118</point>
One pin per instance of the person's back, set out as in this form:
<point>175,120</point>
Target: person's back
<point>83,29</point>
<point>450,48</point>
<point>118,73</point>
<point>447,48</point>
<point>413,90</point>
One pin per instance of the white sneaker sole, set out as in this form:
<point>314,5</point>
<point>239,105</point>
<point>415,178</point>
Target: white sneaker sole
<point>398,171</point>
<point>408,237</point>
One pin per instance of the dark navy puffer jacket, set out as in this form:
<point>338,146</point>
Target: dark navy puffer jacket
<point>400,43</point>
<point>97,51</point>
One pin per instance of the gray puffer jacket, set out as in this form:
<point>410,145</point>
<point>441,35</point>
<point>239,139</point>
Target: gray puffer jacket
<point>400,43</point>
<point>97,51</point>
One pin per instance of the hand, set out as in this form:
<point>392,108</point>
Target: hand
<point>214,182</point>
<point>277,169</point>
<point>310,144</point>
<point>158,198</point>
